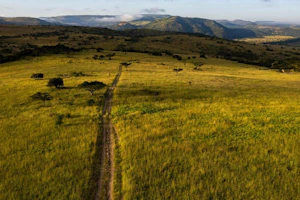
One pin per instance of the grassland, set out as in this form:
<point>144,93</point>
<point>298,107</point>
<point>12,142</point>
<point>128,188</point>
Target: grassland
<point>40,159</point>
<point>267,39</point>
<point>233,133</point>
<point>224,131</point>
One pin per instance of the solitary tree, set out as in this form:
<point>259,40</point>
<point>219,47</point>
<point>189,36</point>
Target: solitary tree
<point>92,86</point>
<point>56,82</point>
<point>42,96</point>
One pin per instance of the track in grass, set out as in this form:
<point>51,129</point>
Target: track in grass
<point>105,183</point>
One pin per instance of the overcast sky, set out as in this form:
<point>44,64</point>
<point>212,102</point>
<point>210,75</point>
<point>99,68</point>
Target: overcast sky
<point>275,10</point>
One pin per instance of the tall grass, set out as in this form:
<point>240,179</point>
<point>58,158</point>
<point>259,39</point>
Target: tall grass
<point>233,133</point>
<point>40,159</point>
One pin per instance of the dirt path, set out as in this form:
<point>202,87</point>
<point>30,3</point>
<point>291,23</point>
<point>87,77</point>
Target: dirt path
<point>105,183</point>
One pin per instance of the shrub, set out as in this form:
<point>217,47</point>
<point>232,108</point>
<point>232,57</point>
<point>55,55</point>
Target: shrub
<point>37,76</point>
<point>59,120</point>
<point>56,82</point>
<point>90,102</point>
<point>77,74</point>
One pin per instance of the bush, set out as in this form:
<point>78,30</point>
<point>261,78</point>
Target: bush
<point>37,76</point>
<point>77,74</point>
<point>59,120</point>
<point>90,102</point>
<point>56,82</point>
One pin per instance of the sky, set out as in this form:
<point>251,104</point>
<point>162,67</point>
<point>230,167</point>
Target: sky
<point>253,10</point>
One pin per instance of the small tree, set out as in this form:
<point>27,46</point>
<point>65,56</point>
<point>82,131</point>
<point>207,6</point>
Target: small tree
<point>42,96</point>
<point>177,70</point>
<point>56,82</point>
<point>92,86</point>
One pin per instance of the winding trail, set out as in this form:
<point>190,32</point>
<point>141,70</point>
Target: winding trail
<point>105,182</point>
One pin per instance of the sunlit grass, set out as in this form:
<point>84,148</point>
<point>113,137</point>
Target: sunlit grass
<point>265,39</point>
<point>40,159</point>
<point>233,133</point>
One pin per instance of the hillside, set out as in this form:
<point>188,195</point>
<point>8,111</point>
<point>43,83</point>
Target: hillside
<point>19,42</point>
<point>235,23</point>
<point>23,21</point>
<point>198,25</point>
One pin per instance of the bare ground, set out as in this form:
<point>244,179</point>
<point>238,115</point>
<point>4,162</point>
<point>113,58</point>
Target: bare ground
<point>106,152</point>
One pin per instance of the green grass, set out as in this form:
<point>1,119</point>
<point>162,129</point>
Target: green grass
<point>232,134</point>
<point>38,158</point>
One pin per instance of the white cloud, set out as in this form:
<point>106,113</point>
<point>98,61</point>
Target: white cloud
<point>119,18</point>
<point>154,10</point>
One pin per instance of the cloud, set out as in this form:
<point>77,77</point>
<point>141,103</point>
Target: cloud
<point>153,10</point>
<point>124,18</point>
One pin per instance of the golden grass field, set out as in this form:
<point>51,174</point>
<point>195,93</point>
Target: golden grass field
<point>232,134</point>
<point>226,131</point>
<point>39,159</point>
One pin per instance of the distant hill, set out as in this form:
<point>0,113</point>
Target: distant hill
<point>23,21</point>
<point>236,23</point>
<point>123,26</point>
<point>84,20</point>
<point>101,20</point>
<point>198,25</point>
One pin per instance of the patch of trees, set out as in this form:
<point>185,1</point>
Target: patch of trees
<point>32,50</point>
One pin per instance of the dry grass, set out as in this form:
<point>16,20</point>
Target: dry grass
<point>232,134</point>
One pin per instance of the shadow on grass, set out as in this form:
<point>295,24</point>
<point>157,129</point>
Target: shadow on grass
<point>91,191</point>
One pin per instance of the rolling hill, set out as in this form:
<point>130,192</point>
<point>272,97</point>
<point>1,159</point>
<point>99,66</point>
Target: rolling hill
<point>24,21</point>
<point>235,23</point>
<point>198,25</point>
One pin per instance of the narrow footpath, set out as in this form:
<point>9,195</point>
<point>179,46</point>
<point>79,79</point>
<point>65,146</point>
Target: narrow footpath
<point>105,183</point>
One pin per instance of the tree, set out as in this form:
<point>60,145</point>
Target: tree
<point>56,82</point>
<point>42,96</point>
<point>92,86</point>
<point>177,70</point>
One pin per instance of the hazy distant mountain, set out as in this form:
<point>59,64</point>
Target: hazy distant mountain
<point>235,23</point>
<point>84,20</point>
<point>273,23</point>
<point>101,20</point>
<point>23,21</point>
<point>198,25</point>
